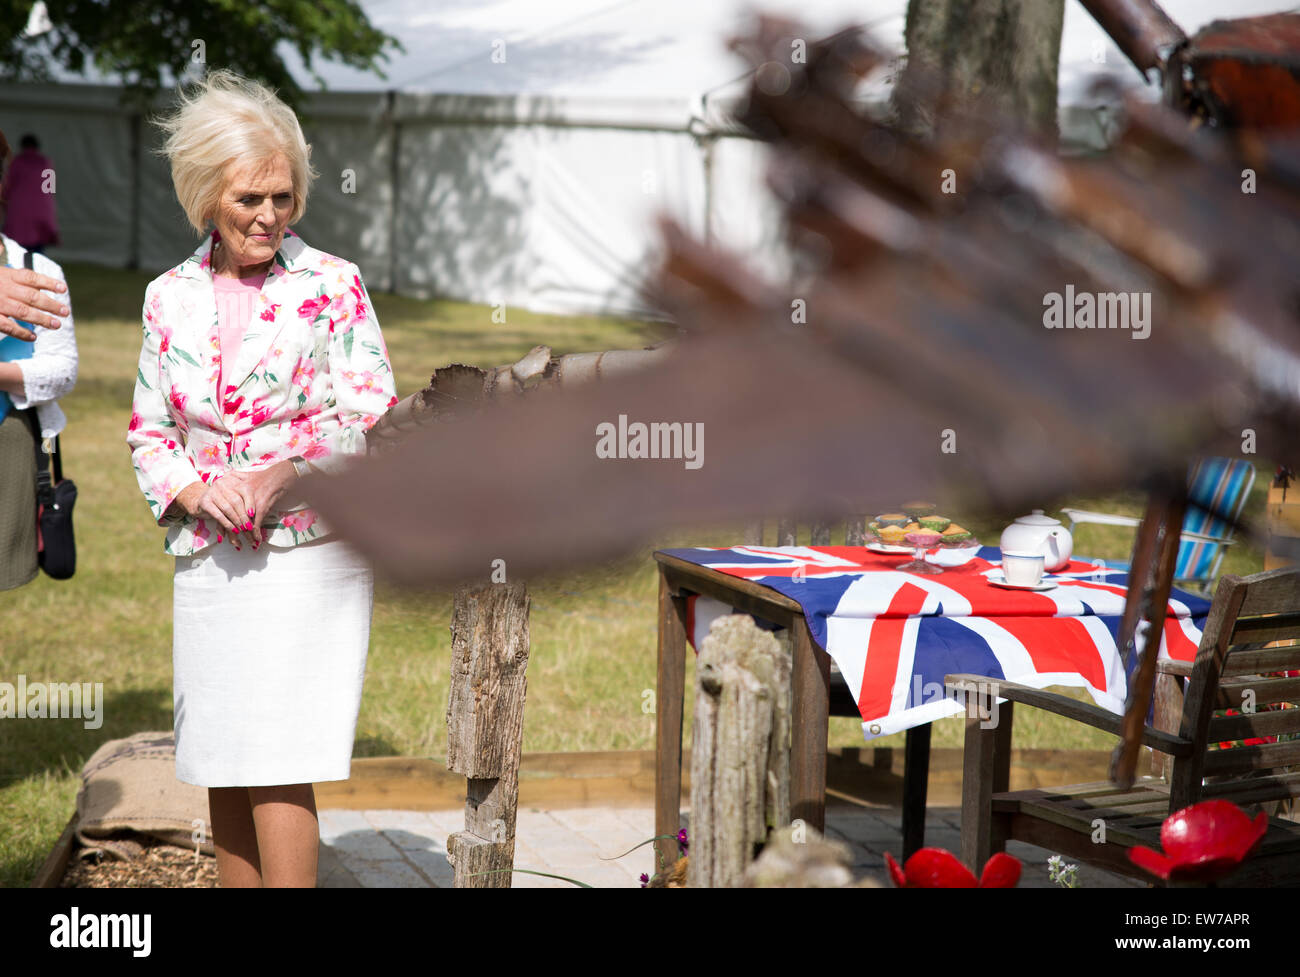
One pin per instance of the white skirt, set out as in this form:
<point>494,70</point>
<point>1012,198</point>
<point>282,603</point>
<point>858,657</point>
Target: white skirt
<point>268,655</point>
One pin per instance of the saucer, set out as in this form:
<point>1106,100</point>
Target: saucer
<point>1001,581</point>
<point>890,550</point>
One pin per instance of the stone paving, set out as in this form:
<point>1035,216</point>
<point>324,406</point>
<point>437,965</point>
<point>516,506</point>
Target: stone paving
<point>407,849</point>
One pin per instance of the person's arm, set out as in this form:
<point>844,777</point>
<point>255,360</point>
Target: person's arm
<point>50,372</point>
<point>161,466</point>
<point>23,296</point>
<point>361,374</point>
<point>11,378</point>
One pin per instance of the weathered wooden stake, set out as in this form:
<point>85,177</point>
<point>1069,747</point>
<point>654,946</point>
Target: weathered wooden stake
<point>485,727</point>
<point>740,761</point>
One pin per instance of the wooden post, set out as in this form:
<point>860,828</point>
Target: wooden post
<point>810,689</point>
<point>1282,519</point>
<point>740,778</point>
<point>670,693</point>
<point>787,532</point>
<point>916,773</point>
<point>485,726</point>
<point>855,531</point>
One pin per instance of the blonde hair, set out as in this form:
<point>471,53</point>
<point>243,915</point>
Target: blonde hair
<point>226,118</point>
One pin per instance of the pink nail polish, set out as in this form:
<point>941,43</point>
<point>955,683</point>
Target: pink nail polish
<point>248,525</point>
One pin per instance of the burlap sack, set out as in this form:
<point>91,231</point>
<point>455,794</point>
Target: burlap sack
<point>129,793</point>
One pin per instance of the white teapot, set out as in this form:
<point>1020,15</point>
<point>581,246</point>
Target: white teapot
<point>1037,533</point>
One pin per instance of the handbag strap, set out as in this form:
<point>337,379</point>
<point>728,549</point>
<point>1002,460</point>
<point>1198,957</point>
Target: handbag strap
<point>44,486</point>
<point>43,481</point>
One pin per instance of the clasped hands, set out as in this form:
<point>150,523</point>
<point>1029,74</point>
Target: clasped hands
<point>239,501</point>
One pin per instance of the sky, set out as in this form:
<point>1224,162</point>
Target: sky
<point>663,48</point>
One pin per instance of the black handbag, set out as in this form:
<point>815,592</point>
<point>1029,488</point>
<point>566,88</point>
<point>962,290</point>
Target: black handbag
<point>56,548</point>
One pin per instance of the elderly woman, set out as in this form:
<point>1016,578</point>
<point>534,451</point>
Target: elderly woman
<point>36,368</point>
<point>261,360</point>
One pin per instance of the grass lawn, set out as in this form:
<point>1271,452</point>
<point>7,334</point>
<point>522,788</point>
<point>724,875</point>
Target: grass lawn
<point>593,634</point>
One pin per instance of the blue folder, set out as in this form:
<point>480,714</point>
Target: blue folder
<point>12,349</point>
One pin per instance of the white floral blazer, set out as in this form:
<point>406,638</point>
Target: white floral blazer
<point>311,377</point>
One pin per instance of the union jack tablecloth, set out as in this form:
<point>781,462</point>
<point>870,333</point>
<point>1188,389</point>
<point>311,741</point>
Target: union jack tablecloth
<point>895,635</point>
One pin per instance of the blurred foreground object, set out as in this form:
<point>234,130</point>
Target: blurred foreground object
<point>944,292</point>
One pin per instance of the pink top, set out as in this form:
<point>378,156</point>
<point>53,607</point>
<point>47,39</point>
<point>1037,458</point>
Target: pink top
<point>236,298</point>
<point>29,215</point>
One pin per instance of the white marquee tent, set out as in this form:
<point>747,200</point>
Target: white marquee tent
<point>517,150</point>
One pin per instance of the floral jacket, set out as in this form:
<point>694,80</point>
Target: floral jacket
<point>311,377</point>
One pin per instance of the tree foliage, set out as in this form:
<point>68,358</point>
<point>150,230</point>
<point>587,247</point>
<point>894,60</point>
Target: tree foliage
<point>153,43</point>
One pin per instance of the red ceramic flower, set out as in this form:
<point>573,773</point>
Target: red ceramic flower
<point>935,868</point>
<point>1202,843</point>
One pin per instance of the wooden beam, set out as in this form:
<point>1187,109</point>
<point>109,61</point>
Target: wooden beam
<point>51,872</point>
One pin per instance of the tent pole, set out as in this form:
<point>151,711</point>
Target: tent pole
<point>394,184</point>
<point>133,235</point>
<point>705,140</point>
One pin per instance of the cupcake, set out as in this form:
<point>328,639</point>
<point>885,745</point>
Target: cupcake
<point>956,534</point>
<point>924,538</point>
<point>918,509</point>
<point>936,523</point>
<point>891,519</point>
<point>892,535</point>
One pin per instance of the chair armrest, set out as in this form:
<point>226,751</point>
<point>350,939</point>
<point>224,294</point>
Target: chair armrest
<point>1082,712</point>
<point>1109,519</point>
<point>1168,666</point>
<point>1103,518</point>
<point>1206,538</point>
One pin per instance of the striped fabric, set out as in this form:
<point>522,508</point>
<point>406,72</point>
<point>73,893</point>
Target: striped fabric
<point>894,635</point>
<point>1223,485</point>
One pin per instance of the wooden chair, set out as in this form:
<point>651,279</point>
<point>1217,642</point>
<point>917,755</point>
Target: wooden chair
<point>1253,630</point>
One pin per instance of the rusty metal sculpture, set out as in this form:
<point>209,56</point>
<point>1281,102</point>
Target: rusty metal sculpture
<point>1233,73</point>
<point>922,311</point>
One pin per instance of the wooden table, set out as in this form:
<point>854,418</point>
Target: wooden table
<point>810,706</point>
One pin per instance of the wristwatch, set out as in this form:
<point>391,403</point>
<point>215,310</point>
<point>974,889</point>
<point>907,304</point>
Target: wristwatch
<point>300,465</point>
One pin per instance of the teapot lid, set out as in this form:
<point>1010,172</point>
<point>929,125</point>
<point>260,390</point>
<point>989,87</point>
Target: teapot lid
<point>1037,519</point>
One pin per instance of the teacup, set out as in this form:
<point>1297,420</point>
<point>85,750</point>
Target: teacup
<point>1023,569</point>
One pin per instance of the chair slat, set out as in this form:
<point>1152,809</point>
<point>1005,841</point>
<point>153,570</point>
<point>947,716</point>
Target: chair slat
<point>1246,758</point>
<point>1275,627</point>
<point>1254,790</point>
<point>1081,821</point>
<point>1269,723</point>
<point>1118,801</point>
<point>1232,693</point>
<point>1279,594</point>
<point>1262,660</point>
